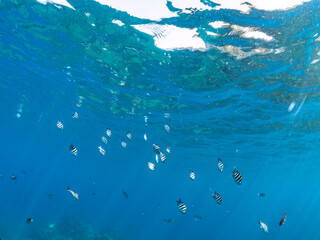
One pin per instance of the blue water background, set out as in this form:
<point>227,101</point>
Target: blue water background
<point>240,115</point>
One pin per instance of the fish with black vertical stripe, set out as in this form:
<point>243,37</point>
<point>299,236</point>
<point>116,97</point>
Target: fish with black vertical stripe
<point>181,206</point>
<point>220,165</point>
<point>217,198</point>
<point>237,177</point>
<point>73,150</point>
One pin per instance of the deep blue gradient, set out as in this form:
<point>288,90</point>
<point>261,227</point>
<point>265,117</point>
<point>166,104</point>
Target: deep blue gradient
<point>54,62</point>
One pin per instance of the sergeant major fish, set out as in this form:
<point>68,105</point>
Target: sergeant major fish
<point>192,175</point>
<point>162,157</point>
<point>220,165</point>
<point>156,148</point>
<point>237,176</point>
<point>181,206</point>
<point>73,193</point>
<point>151,166</point>
<point>59,125</point>
<point>217,198</point>
<point>73,150</point>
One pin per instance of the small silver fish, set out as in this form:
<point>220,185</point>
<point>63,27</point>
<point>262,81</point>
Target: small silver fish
<point>129,136</point>
<point>74,194</point>
<point>167,128</point>
<point>263,226</point>
<point>157,158</point>
<point>145,137</point>
<point>168,149</point>
<point>104,140</point>
<point>123,144</point>
<point>108,132</point>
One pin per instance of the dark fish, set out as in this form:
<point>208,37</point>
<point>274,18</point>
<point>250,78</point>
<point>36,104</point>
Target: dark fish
<point>182,207</point>
<point>217,197</point>
<point>237,177</point>
<point>73,150</point>
<point>220,165</point>
<point>13,177</point>
<point>93,194</point>
<point>168,220</point>
<point>29,220</point>
<point>52,197</point>
<point>283,220</point>
<point>197,218</point>
<point>261,195</point>
<point>125,194</point>
<point>156,148</point>
<point>24,172</point>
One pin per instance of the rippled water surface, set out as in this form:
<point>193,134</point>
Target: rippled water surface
<point>207,81</point>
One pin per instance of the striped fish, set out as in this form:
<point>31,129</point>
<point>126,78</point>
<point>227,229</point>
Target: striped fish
<point>237,177</point>
<point>162,157</point>
<point>59,125</point>
<point>192,175</point>
<point>102,151</point>
<point>151,166</point>
<point>104,140</point>
<point>156,148</point>
<point>108,132</point>
<point>217,197</point>
<point>182,207</point>
<point>220,165</point>
<point>129,135</point>
<point>73,150</point>
<point>75,115</point>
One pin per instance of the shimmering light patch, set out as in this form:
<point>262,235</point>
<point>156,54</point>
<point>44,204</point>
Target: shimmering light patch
<point>219,24</point>
<point>250,32</point>
<point>169,37</point>
<point>118,22</point>
<point>59,2</point>
<point>212,34</point>
<point>270,5</point>
<point>153,9</point>
<point>235,51</point>
<point>157,9</point>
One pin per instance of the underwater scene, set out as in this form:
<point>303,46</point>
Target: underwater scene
<point>152,120</point>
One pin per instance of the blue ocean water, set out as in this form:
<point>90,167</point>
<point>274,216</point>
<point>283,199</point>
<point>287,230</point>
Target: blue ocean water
<point>250,100</point>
